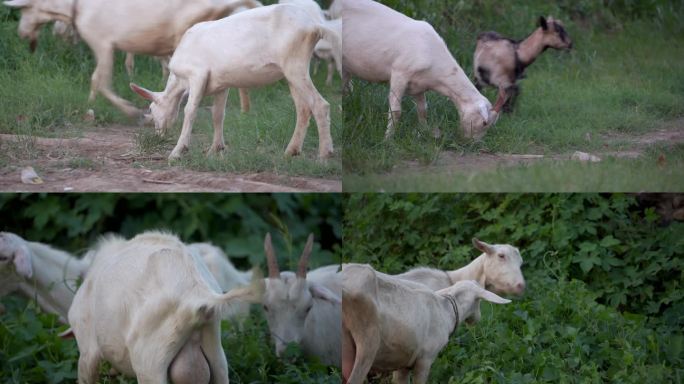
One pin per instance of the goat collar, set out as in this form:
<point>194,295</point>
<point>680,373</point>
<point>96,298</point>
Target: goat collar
<point>452,301</point>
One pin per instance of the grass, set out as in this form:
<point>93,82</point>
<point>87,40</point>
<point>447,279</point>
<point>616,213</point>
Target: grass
<point>45,94</point>
<point>610,175</point>
<point>624,81</point>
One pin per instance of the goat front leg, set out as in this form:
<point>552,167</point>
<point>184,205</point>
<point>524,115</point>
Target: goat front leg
<point>102,81</point>
<point>218,113</point>
<point>398,85</point>
<point>88,367</point>
<point>421,371</point>
<point>196,89</point>
<point>244,100</point>
<point>512,93</point>
<point>348,354</point>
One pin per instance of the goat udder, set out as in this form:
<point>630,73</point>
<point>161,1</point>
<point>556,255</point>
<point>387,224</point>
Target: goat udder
<point>190,366</point>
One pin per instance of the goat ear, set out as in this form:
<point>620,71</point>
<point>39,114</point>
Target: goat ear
<point>542,23</point>
<point>144,93</point>
<point>22,262</point>
<point>491,297</point>
<point>482,246</point>
<point>321,292</point>
<point>17,3</point>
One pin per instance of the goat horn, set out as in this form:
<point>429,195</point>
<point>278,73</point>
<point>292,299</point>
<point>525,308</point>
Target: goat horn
<point>273,271</point>
<point>304,260</point>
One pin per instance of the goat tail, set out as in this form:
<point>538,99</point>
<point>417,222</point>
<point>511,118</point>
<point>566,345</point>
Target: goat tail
<point>253,293</point>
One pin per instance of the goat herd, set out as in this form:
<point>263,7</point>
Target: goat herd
<point>221,44</point>
<point>152,306</point>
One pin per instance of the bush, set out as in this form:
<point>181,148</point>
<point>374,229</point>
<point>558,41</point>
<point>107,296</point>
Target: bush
<point>604,300</point>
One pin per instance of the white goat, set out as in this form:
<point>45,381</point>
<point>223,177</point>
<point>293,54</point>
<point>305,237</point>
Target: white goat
<point>241,51</point>
<point>497,269</point>
<point>49,275</point>
<point>302,309</point>
<point>148,27</point>
<point>151,308</point>
<point>421,62</point>
<point>390,324</point>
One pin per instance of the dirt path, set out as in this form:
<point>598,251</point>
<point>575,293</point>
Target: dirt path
<point>104,160</point>
<point>630,146</point>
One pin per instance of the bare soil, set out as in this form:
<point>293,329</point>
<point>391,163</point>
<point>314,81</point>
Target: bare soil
<point>629,146</point>
<point>105,160</point>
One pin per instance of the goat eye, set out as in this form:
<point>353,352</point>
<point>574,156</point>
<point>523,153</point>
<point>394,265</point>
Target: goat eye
<point>308,309</point>
<point>502,256</point>
<point>265,308</point>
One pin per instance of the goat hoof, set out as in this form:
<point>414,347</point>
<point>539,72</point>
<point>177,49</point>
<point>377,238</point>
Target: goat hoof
<point>293,152</point>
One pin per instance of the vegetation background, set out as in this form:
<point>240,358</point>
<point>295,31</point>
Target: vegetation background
<point>605,275</point>
<point>621,81</point>
<point>45,94</point>
<point>31,351</point>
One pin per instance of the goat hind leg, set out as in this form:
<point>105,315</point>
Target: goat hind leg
<point>320,108</point>
<point>244,100</point>
<point>303,117</point>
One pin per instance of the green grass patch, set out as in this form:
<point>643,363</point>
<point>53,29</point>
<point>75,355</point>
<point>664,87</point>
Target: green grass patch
<point>610,175</point>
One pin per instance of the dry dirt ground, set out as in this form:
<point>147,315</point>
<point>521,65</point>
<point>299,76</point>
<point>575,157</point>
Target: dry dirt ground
<point>112,166</point>
<point>630,146</point>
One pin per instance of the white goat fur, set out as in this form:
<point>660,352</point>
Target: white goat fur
<point>497,269</point>
<point>257,47</point>
<point>41,272</point>
<point>303,307</point>
<point>420,63</point>
<point>150,307</point>
<point>328,48</point>
<point>148,27</point>
<point>390,324</point>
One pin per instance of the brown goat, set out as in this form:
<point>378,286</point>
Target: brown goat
<point>500,61</point>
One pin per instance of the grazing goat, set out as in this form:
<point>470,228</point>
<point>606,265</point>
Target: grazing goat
<point>148,27</point>
<point>380,44</point>
<point>150,307</point>
<point>500,62</point>
<point>303,309</point>
<point>41,272</point>
<point>497,269</point>
<point>240,51</point>
<point>390,324</point>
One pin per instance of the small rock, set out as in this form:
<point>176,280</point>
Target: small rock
<point>583,156</point>
<point>29,176</point>
<point>89,116</point>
